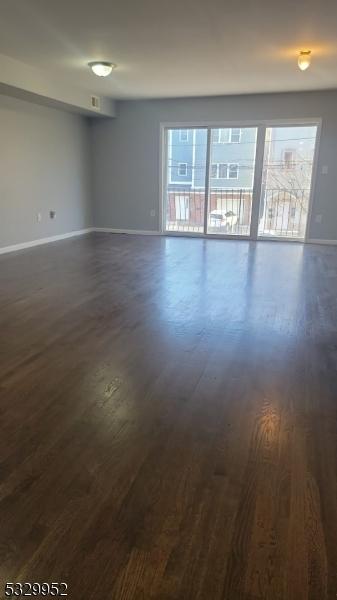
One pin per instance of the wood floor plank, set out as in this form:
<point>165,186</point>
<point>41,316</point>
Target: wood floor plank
<point>169,419</point>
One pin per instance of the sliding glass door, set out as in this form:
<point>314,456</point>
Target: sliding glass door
<point>231,180</point>
<point>286,181</point>
<point>185,180</point>
<point>238,181</point>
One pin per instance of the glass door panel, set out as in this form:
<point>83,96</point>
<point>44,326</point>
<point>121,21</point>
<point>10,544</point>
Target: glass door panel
<point>286,181</point>
<point>186,151</point>
<point>231,177</point>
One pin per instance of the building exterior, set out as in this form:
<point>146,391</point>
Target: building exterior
<point>232,158</point>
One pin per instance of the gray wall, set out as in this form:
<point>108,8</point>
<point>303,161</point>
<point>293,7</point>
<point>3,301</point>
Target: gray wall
<point>125,152</point>
<point>44,165</point>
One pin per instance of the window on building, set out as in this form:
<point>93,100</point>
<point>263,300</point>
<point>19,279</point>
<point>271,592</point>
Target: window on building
<point>233,171</point>
<point>182,169</point>
<point>235,136</point>
<point>270,213</point>
<point>227,136</point>
<point>288,159</point>
<point>225,171</point>
<point>220,136</point>
<point>183,135</point>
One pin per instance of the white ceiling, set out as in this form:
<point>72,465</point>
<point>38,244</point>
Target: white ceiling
<point>170,48</point>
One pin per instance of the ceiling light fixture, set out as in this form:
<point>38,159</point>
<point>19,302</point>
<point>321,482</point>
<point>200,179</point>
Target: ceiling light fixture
<point>101,68</point>
<point>304,59</point>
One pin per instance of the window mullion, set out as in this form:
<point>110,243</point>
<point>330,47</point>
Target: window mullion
<point>207,177</point>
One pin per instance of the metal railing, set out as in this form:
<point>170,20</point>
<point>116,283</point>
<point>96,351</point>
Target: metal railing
<point>229,211</point>
<point>283,212</point>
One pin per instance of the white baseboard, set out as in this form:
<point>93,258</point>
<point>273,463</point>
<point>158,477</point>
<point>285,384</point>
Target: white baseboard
<point>172,233</point>
<point>63,236</point>
<point>326,242</point>
<point>47,240</point>
<point>127,231</point>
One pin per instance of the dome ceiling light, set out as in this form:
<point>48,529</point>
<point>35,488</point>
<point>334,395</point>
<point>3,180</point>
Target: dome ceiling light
<point>101,68</point>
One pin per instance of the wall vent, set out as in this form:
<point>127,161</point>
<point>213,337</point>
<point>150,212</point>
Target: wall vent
<point>95,102</point>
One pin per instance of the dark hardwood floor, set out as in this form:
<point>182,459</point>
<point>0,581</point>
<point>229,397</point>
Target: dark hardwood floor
<point>169,419</point>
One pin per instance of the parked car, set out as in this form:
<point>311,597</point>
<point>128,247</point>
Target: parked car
<point>224,220</point>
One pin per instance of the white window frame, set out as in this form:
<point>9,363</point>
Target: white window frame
<point>180,165</point>
<point>216,165</point>
<point>231,135</point>
<point>219,131</point>
<point>181,139</point>
<point>261,126</point>
<point>227,166</point>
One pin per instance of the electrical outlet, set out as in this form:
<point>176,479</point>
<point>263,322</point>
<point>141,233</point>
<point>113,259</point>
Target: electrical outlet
<point>52,214</point>
<point>318,219</point>
<point>152,213</point>
<point>325,170</point>
<point>39,217</point>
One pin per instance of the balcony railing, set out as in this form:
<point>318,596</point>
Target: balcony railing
<point>283,213</point>
<point>229,211</point>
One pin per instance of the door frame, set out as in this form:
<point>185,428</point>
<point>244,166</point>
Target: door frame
<point>261,126</point>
